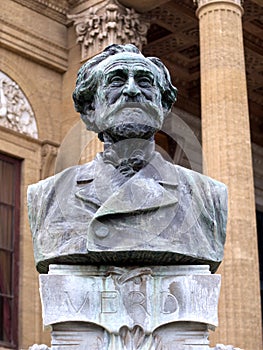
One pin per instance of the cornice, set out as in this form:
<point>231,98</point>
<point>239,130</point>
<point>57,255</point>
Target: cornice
<point>53,9</point>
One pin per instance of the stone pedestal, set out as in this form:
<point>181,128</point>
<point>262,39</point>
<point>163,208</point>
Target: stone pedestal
<point>144,308</point>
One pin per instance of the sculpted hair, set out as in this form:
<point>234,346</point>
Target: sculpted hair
<point>88,78</point>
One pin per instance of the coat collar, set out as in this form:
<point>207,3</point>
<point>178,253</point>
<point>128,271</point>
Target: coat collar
<point>102,185</point>
<point>158,169</point>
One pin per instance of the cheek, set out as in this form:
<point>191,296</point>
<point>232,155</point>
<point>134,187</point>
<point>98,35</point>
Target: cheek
<point>152,95</point>
<point>112,95</point>
<point>148,95</point>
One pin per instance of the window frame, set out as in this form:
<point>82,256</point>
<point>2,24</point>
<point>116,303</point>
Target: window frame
<point>16,162</point>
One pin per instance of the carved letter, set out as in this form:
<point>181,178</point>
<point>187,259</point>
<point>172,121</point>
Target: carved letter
<point>76,305</point>
<point>169,303</point>
<point>109,302</point>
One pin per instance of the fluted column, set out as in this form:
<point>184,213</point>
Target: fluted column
<point>227,157</point>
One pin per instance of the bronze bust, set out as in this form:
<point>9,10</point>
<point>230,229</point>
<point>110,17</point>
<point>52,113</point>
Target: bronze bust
<point>128,206</point>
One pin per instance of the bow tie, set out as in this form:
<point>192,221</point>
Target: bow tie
<point>128,163</point>
<point>128,167</point>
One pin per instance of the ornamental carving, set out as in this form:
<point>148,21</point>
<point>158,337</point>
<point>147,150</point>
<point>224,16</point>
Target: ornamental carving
<point>48,156</point>
<point>106,24</point>
<point>15,110</point>
<point>132,339</point>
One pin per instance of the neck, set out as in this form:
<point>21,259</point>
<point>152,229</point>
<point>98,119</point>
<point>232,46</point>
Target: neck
<point>128,148</point>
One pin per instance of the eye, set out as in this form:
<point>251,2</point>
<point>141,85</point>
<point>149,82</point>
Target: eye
<point>145,82</point>
<point>117,80</point>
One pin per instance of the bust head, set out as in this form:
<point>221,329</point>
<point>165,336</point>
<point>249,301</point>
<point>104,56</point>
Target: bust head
<point>122,92</point>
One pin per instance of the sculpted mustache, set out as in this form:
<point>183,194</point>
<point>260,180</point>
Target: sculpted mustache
<point>145,106</point>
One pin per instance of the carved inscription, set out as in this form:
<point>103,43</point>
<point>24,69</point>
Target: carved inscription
<point>130,298</point>
<point>135,303</point>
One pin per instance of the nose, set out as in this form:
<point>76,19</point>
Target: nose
<point>131,88</point>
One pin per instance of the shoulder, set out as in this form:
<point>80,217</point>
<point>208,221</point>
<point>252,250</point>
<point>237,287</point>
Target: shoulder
<point>42,197</point>
<point>68,174</point>
<point>44,190</point>
<point>208,193</point>
<point>200,184</point>
<point>199,178</point>
<point>196,175</point>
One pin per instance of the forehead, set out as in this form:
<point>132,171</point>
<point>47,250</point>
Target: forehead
<point>128,62</point>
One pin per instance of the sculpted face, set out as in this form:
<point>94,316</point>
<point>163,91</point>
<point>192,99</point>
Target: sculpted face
<point>128,100</point>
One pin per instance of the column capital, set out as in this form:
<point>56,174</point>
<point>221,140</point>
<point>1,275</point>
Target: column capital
<point>222,3</point>
<point>108,23</point>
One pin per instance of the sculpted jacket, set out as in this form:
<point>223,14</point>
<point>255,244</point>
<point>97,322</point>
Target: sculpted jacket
<point>164,214</point>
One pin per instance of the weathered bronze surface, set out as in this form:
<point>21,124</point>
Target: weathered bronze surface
<point>128,206</point>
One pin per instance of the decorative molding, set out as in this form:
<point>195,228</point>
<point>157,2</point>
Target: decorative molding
<point>106,24</point>
<point>15,110</point>
<point>48,156</point>
<point>53,9</point>
<point>132,338</point>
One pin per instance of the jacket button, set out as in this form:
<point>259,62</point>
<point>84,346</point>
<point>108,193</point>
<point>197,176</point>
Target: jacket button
<point>101,231</point>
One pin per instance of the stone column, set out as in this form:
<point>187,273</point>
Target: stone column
<point>227,157</point>
<point>97,26</point>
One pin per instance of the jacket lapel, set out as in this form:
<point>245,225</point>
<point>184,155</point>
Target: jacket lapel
<point>97,182</point>
<point>152,187</point>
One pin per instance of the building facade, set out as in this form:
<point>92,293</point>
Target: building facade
<point>213,50</point>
